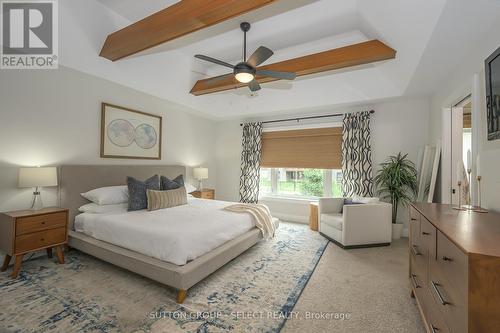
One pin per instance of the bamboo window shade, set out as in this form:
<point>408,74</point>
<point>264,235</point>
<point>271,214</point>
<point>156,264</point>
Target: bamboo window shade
<point>467,120</point>
<point>319,148</point>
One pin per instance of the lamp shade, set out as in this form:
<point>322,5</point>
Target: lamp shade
<point>200,173</point>
<point>33,177</point>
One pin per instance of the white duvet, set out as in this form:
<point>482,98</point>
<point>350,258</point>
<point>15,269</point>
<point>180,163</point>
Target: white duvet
<point>176,235</point>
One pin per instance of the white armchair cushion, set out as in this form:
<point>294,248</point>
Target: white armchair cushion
<point>365,200</point>
<point>333,220</point>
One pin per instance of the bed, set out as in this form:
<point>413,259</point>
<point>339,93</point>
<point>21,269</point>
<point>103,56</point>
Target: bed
<point>180,259</point>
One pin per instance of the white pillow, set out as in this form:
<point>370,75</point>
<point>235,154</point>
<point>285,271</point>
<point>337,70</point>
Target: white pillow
<point>189,188</point>
<point>109,195</point>
<point>94,208</point>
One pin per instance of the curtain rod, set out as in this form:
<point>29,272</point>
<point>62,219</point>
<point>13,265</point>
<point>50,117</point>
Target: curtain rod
<point>305,118</point>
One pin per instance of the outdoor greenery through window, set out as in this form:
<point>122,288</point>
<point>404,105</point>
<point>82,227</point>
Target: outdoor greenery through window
<point>309,183</point>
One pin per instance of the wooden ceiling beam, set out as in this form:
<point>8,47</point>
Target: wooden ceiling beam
<point>180,19</point>
<point>347,56</point>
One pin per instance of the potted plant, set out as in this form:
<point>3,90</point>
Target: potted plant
<point>397,181</point>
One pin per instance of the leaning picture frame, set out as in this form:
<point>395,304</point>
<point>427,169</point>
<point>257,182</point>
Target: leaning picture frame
<point>130,134</point>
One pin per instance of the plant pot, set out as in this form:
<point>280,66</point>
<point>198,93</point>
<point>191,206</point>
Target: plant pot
<point>397,230</point>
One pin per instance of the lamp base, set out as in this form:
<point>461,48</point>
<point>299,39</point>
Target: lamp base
<point>37,203</point>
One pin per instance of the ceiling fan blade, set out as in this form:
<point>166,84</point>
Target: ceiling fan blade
<point>254,85</point>
<point>277,75</point>
<point>213,60</point>
<point>259,56</point>
<point>219,78</point>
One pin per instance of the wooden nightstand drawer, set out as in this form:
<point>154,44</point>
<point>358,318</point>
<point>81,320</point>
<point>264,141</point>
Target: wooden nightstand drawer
<point>204,194</point>
<point>40,239</point>
<point>207,195</point>
<point>30,224</point>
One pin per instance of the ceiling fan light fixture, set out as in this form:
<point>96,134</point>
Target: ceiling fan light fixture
<point>244,77</point>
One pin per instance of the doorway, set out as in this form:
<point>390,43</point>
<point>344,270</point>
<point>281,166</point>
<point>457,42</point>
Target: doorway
<point>461,149</point>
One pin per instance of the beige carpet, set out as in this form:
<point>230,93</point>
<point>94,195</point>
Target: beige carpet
<point>369,285</point>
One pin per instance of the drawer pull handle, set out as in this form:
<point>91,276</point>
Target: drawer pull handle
<point>425,233</point>
<point>413,219</point>
<point>445,258</point>
<point>43,239</point>
<point>438,293</point>
<point>415,283</point>
<point>415,251</point>
<point>434,329</point>
<point>43,222</point>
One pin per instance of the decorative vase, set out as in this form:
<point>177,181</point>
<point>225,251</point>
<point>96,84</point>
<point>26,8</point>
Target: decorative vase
<point>397,230</point>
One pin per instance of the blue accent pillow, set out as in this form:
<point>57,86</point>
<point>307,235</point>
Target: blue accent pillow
<point>137,198</point>
<point>347,202</point>
<point>171,184</point>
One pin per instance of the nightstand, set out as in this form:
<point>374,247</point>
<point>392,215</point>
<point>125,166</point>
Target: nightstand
<point>206,193</point>
<point>27,231</point>
<point>313,215</point>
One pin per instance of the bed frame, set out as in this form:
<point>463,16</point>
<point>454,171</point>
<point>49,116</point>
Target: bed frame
<point>76,179</point>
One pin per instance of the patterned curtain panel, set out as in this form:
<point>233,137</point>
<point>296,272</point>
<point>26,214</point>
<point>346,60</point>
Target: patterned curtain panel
<point>357,175</point>
<point>250,162</point>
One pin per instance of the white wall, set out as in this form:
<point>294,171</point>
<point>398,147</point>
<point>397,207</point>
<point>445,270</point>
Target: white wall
<point>458,85</point>
<point>52,117</point>
<point>397,125</point>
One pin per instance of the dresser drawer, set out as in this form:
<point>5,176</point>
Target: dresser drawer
<point>40,239</point>
<point>451,304</point>
<point>451,263</point>
<point>25,225</point>
<point>428,237</point>
<point>434,317</point>
<point>417,274</point>
<point>414,226</point>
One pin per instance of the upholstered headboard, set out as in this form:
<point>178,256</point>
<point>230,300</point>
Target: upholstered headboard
<point>76,179</point>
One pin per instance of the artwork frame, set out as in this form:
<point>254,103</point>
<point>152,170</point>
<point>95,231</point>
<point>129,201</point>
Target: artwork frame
<point>130,134</point>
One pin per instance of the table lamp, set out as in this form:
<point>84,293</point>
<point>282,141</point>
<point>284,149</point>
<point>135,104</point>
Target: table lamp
<point>37,178</point>
<point>200,174</point>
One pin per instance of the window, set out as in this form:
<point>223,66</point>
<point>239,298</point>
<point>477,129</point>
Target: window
<point>265,181</point>
<point>297,182</point>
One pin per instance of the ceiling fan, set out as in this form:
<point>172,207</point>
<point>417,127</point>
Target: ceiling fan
<point>246,70</point>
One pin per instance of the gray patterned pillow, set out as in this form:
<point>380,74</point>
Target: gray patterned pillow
<point>137,198</point>
<point>171,184</point>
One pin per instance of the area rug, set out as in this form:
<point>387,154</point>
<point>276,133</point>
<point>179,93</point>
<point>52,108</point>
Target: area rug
<point>253,293</point>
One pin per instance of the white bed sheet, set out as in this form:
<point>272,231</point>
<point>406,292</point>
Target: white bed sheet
<point>176,235</point>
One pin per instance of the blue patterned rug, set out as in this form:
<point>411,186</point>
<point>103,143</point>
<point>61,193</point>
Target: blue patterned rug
<point>252,293</point>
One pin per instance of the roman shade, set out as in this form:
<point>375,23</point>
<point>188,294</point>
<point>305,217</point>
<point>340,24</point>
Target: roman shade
<point>318,148</point>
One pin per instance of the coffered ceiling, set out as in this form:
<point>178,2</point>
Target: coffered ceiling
<point>291,28</point>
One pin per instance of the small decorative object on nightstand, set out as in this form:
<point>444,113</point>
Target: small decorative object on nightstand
<point>27,231</point>
<point>313,215</point>
<point>206,193</point>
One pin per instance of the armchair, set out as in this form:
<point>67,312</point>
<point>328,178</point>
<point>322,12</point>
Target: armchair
<point>355,225</point>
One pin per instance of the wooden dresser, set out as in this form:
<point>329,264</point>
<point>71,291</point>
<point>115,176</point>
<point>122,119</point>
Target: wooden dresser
<point>27,231</point>
<point>206,193</point>
<point>455,268</point>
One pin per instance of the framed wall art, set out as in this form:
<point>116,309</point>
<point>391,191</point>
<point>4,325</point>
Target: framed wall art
<point>127,133</point>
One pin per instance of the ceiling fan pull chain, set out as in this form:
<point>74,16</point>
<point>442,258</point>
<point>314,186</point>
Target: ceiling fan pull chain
<point>244,46</point>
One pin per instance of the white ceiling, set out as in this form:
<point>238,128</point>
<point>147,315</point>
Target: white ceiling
<point>418,30</point>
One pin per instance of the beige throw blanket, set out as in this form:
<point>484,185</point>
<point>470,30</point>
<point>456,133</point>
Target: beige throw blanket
<point>261,214</point>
